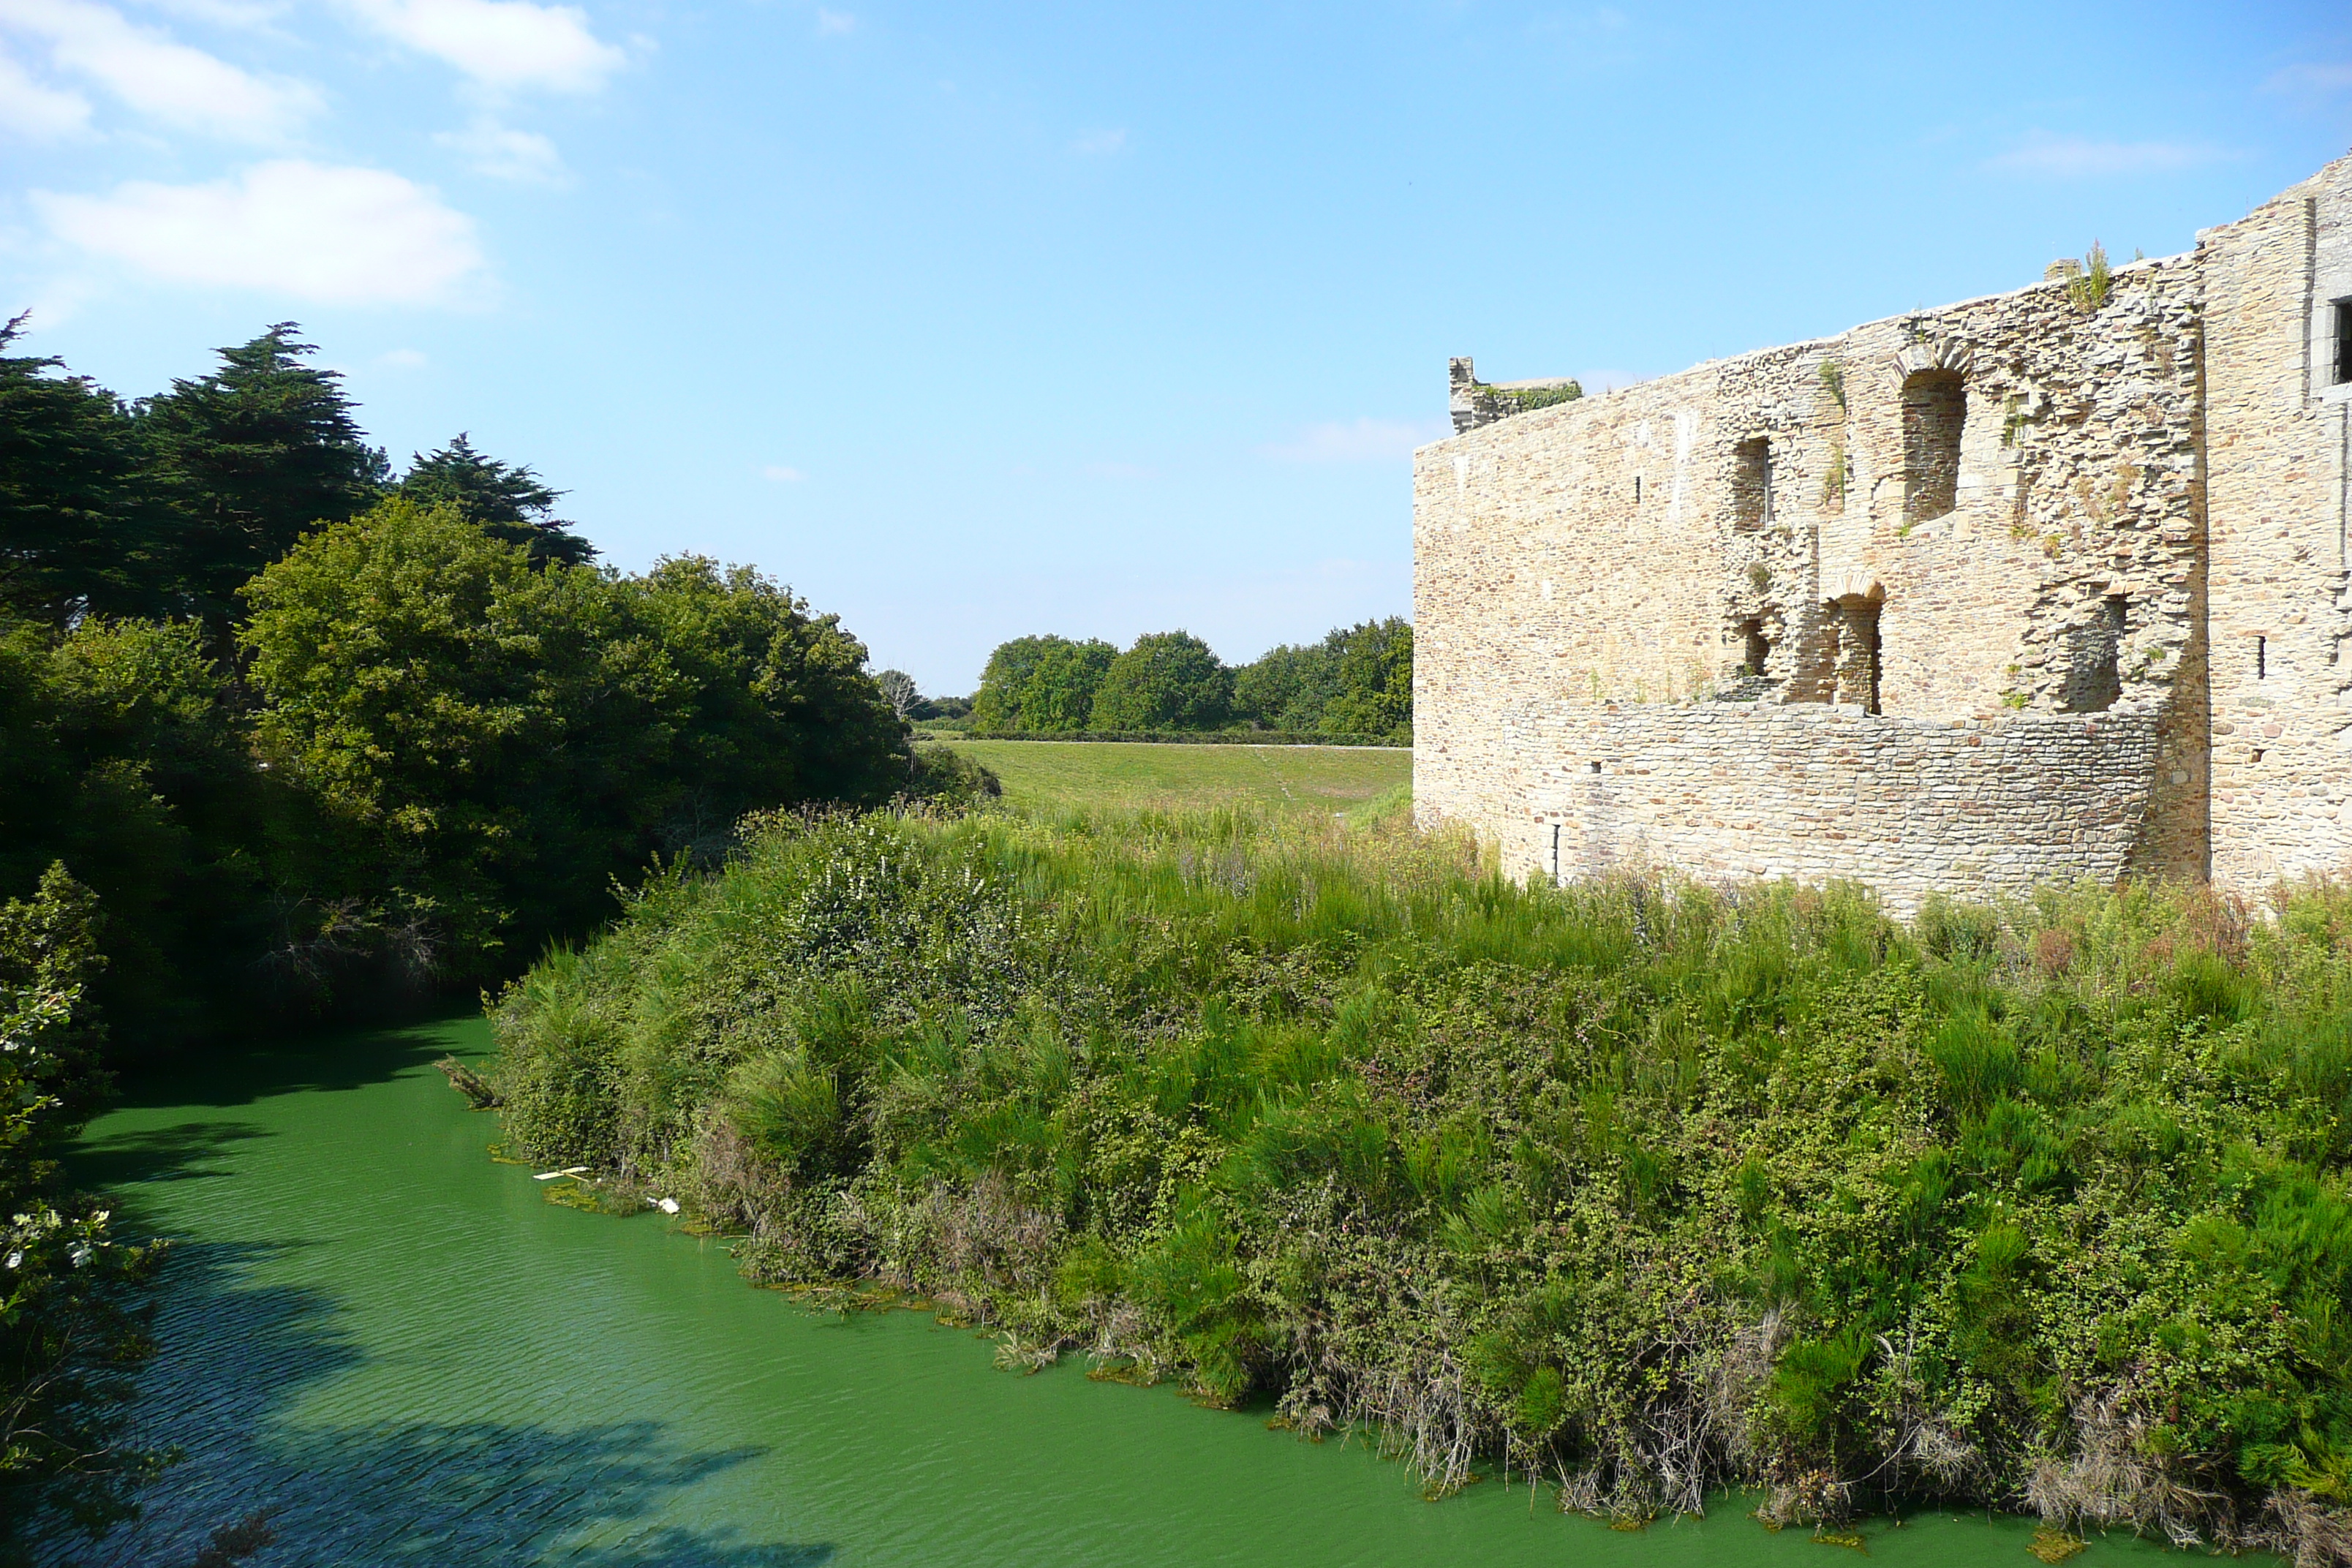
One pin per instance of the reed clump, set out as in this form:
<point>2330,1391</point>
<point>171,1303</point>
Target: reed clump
<point>1637,1185</point>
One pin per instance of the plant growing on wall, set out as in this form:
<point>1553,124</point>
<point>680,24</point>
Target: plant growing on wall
<point>1841,469</point>
<point>2088,291</point>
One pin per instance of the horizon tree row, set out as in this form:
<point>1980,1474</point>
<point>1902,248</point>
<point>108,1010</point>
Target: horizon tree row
<point>1358,681</point>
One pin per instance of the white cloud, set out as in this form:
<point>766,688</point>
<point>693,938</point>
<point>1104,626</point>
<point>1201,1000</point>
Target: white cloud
<point>781,474</point>
<point>168,81</point>
<point>500,43</point>
<point>245,14</point>
<point>1099,143</point>
<point>2316,79</point>
<point>505,153</point>
<point>36,112</point>
<point>316,232</point>
<point>2078,157</point>
<point>1364,440</point>
<point>833,24</point>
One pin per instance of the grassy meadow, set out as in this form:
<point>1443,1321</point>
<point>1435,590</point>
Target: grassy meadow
<point>1045,776</point>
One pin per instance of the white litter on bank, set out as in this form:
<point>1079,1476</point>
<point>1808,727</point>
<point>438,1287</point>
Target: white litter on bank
<point>567,1171</point>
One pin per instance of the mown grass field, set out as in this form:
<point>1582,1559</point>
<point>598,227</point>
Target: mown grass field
<point>1048,775</point>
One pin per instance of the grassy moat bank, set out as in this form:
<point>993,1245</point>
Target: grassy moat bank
<point>1648,1190</point>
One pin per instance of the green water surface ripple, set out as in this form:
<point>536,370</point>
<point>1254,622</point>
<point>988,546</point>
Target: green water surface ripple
<point>413,1357</point>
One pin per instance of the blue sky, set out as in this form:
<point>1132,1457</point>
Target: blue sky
<point>973,321</point>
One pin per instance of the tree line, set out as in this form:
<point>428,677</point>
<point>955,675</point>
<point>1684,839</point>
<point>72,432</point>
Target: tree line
<point>1357,682</point>
<point>282,730</point>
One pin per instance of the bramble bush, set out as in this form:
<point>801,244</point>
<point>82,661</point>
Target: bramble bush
<point>1637,1185</point>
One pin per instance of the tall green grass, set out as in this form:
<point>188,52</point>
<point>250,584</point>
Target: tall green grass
<point>1641,1186</point>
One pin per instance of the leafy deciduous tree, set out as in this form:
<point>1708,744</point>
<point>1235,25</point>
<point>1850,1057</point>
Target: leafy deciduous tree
<point>1168,680</point>
<point>1061,695</point>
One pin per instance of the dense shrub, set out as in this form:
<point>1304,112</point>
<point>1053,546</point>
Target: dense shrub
<point>121,755</point>
<point>490,738</point>
<point>1645,1188</point>
<point>71,1327</point>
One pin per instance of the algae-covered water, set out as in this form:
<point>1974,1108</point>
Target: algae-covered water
<point>413,1357</point>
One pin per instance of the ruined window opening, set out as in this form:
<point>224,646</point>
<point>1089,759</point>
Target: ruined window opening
<point>1857,653</point>
<point>1596,767</point>
<point>2262,658</point>
<point>1757,648</point>
<point>1751,483</point>
<point>2343,341</point>
<point>1934,410</point>
<point>2093,679</point>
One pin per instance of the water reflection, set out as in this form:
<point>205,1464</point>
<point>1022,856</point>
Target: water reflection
<point>480,1493</point>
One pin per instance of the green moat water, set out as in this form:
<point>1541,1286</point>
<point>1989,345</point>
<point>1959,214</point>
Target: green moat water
<point>415,1358</point>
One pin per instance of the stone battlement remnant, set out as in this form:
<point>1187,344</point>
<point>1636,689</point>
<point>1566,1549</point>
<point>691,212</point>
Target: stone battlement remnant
<point>2036,587</point>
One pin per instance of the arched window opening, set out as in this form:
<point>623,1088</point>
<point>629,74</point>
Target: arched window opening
<point>1934,408</point>
<point>2094,681</point>
<point>1751,483</point>
<point>1855,624</point>
<point>1756,648</point>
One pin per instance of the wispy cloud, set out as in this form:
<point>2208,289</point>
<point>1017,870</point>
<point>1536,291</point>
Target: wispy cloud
<point>505,153</point>
<point>1585,40</point>
<point>782,475</point>
<point>36,112</point>
<point>503,44</point>
<point>310,231</point>
<point>833,24</point>
<point>2313,79</point>
<point>244,14</point>
<point>2080,157</point>
<point>403,359</point>
<point>1099,143</point>
<point>165,80</point>
<point>1364,440</point>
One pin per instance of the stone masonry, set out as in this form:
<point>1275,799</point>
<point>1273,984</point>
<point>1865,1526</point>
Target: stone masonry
<point>2032,588</point>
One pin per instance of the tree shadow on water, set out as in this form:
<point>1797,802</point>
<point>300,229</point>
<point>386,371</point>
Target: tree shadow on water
<point>178,1153</point>
<point>331,1058</point>
<point>486,1493</point>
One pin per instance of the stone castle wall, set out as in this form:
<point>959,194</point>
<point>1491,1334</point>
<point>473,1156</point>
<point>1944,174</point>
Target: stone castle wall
<point>1930,603</point>
<point>2276,448</point>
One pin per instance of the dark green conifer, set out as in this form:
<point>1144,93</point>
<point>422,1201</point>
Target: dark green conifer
<point>252,458</point>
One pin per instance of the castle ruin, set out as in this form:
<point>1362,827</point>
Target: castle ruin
<point>2037,587</point>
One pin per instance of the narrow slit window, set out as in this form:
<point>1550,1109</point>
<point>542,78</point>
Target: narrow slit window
<point>1857,667</point>
<point>1751,483</point>
<point>2343,341</point>
<point>2262,658</point>
<point>2093,676</point>
<point>1935,412</point>
<point>1637,489</point>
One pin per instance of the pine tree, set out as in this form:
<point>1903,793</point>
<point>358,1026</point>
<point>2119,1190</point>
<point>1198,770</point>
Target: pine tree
<point>78,532</point>
<point>508,500</point>
<point>253,456</point>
